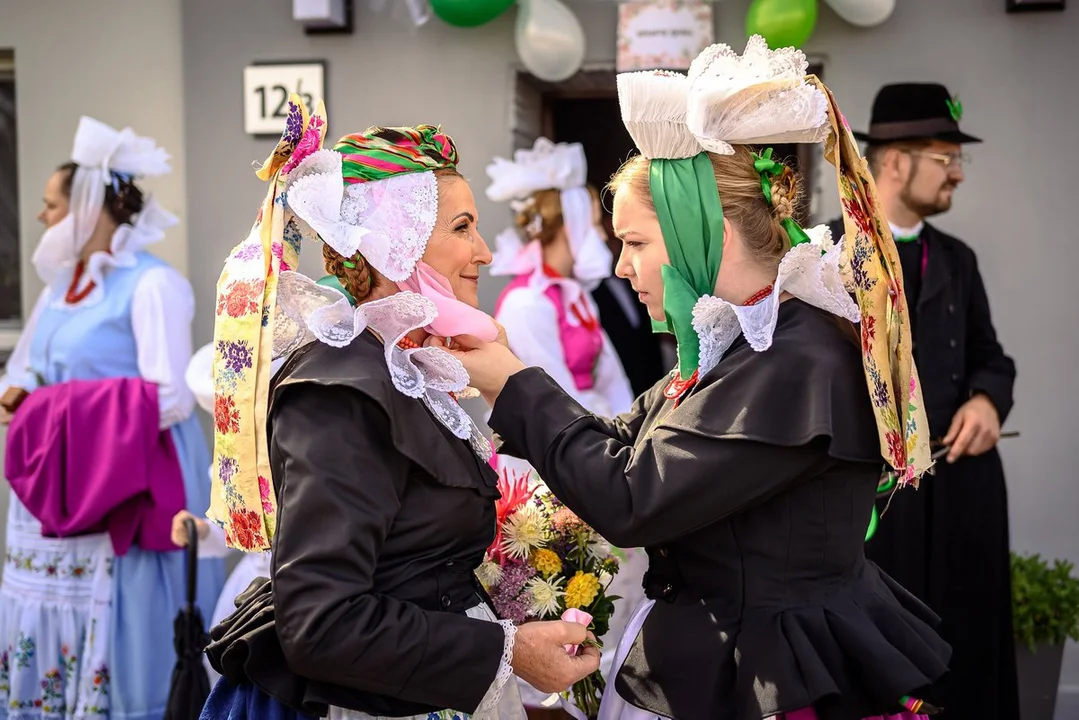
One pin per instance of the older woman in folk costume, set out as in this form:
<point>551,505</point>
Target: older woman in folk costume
<point>750,474</point>
<point>547,313</point>
<point>382,499</point>
<point>103,449</point>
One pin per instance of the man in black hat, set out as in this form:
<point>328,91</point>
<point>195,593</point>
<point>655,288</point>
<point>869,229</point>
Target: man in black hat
<point>948,541</point>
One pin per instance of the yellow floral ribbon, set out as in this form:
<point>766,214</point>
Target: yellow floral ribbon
<point>871,268</point>
<point>242,499</point>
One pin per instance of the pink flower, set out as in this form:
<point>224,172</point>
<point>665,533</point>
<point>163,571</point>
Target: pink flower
<point>573,615</point>
<point>264,495</point>
<point>310,142</point>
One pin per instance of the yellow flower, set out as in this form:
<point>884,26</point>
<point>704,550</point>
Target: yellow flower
<point>547,562</point>
<point>582,590</point>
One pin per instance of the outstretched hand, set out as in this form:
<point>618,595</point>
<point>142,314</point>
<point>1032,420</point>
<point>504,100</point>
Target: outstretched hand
<point>489,364</point>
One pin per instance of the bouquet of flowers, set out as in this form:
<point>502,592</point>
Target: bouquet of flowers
<point>546,563</point>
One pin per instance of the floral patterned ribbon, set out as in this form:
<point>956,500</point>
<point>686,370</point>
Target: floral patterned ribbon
<point>242,500</point>
<point>872,269</point>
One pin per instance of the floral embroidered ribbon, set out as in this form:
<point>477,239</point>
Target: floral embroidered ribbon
<point>872,269</point>
<point>242,500</point>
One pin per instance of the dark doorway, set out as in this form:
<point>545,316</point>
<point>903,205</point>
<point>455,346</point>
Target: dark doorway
<point>585,110</point>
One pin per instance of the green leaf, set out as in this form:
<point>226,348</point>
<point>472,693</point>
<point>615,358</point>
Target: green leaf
<point>955,108</point>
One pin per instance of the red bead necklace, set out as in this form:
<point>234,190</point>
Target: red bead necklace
<point>71,297</point>
<point>678,387</point>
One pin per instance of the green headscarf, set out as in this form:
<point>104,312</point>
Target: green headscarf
<point>690,216</point>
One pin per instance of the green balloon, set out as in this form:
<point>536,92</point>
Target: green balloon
<point>782,23</point>
<point>469,13</point>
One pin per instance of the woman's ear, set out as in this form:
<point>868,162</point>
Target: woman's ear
<point>728,233</point>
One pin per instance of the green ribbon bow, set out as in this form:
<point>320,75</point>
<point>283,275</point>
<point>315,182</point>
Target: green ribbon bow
<point>690,216</point>
<point>768,168</point>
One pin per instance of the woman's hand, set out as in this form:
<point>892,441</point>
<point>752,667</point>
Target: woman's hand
<point>489,365</point>
<point>541,660</point>
<point>179,532</point>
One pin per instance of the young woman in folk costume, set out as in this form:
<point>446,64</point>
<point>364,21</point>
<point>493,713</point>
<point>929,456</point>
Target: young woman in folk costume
<point>547,312</point>
<point>750,474</point>
<point>382,499</point>
<point>102,450</point>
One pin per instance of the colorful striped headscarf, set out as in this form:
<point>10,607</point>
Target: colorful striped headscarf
<point>378,153</point>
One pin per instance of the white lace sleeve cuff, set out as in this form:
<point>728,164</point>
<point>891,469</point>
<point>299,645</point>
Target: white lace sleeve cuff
<point>488,708</point>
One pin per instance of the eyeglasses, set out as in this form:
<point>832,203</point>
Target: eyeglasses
<point>952,160</point>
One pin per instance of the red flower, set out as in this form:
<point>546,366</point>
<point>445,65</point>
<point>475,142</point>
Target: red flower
<point>226,416</point>
<point>896,449</point>
<point>514,492</point>
<point>869,332</point>
<point>241,297</point>
<point>247,526</point>
<point>861,220</point>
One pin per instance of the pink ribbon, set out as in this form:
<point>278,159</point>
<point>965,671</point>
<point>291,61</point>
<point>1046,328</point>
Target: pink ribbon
<point>573,615</point>
<point>454,317</point>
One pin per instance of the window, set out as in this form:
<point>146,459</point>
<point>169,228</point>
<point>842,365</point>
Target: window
<point>10,296</point>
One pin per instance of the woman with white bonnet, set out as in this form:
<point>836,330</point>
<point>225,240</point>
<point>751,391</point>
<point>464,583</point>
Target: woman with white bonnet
<point>102,450</point>
<point>550,319</point>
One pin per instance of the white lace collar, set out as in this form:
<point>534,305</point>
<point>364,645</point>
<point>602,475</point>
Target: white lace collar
<point>804,272</point>
<point>309,312</point>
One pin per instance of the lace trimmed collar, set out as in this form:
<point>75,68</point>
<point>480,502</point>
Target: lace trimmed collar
<point>809,272</point>
<point>309,312</point>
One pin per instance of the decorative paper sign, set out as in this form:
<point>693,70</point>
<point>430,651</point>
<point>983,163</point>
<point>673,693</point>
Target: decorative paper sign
<point>662,34</point>
<point>266,91</point>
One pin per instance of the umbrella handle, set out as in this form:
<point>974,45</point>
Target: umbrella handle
<point>192,558</point>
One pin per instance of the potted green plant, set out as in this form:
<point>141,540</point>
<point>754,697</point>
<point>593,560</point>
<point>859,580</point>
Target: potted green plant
<point>1045,613</point>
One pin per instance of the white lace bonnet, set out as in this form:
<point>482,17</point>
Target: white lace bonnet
<point>387,217</point>
<point>547,166</point>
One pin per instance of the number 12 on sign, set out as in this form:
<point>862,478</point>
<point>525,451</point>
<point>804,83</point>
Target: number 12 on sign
<point>266,92</point>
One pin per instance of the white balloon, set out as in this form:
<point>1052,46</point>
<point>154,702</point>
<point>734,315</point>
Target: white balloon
<point>864,13</point>
<point>550,39</point>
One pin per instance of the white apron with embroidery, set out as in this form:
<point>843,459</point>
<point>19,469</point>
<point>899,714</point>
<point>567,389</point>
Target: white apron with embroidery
<point>55,603</point>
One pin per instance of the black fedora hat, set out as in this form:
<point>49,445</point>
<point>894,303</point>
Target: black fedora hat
<point>915,111</point>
